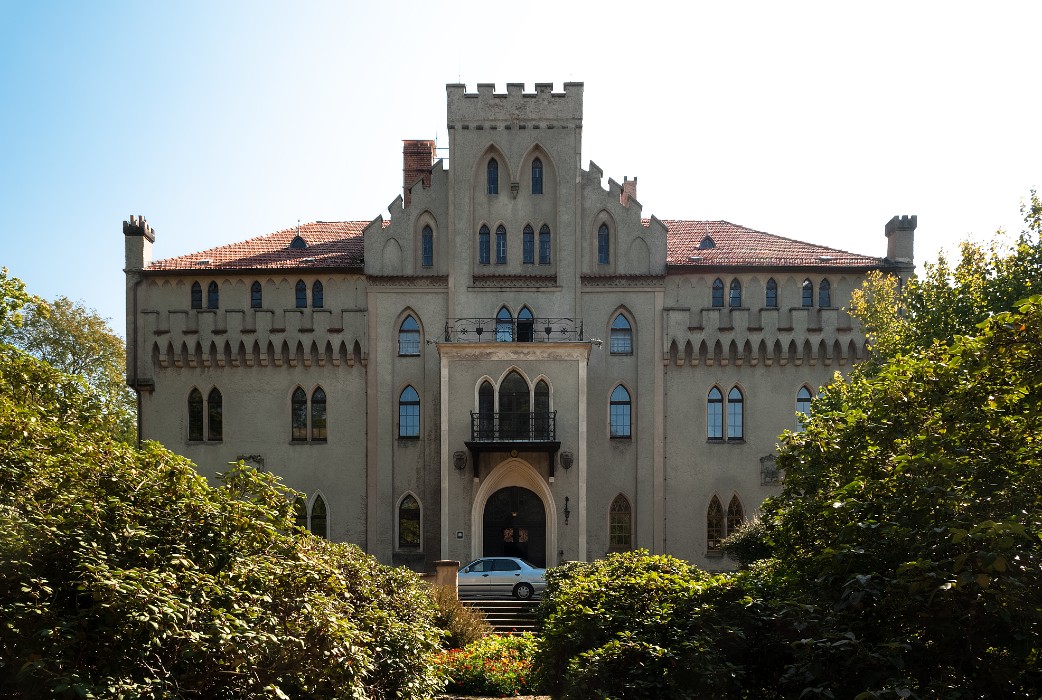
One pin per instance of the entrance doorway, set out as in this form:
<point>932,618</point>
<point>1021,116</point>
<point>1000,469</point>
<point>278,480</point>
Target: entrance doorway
<point>514,525</point>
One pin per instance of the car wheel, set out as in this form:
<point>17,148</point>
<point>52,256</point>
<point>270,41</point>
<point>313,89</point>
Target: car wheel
<point>523,591</point>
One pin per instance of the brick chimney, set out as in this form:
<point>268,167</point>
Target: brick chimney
<point>629,190</point>
<point>417,159</point>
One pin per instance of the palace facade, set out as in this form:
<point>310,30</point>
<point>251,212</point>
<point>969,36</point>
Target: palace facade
<point>518,361</point>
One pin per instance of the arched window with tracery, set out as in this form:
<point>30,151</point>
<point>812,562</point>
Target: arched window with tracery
<point>256,295</point>
<point>718,293</point>
<point>214,416</point>
<point>771,296</point>
<point>195,416</point>
<point>317,295</point>
<point>537,176</point>
<point>197,295</point>
<point>715,415</point>
<point>735,414</point>
<point>603,245</point>
<point>213,296</point>
<point>501,245</point>
<point>504,326</point>
<point>409,523</point>
<point>299,415</point>
<point>620,525</point>
<point>486,411</point>
<point>301,295</point>
<point>824,294</point>
<point>528,245</point>
<point>735,296</point>
<point>492,176</point>
<point>807,290</point>
<point>544,245</point>
<point>735,514</point>
<point>525,325</point>
<point>319,525</point>
<point>541,410</point>
<point>427,247</point>
<point>484,245</point>
<point>409,413</point>
<point>318,415</point>
<point>714,525</point>
<point>409,337</point>
<point>514,408</point>
<point>803,399</point>
<point>620,339</point>
<point>619,414</point>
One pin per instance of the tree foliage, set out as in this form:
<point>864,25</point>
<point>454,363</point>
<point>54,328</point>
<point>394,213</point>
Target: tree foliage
<point>950,299</point>
<point>908,532</point>
<point>123,573</point>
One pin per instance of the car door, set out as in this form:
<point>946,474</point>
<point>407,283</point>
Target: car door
<point>505,575</point>
<point>475,578</point>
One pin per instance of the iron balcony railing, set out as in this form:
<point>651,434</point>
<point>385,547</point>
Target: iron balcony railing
<point>536,426</point>
<point>532,330</point>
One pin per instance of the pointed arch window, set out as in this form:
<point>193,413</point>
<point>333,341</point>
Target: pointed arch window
<point>318,415</point>
<point>824,294</point>
<point>718,292</point>
<point>409,523</point>
<point>300,513</point>
<point>301,294</point>
<point>544,245</point>
<point>735,514</point>
<point>514,408</point>
<point>197,295</point>
<point>715,415</point>
<point>427,247</point>
<point>528,245</point>
<point>808,293</point>
<point>620,525</point>
<point>541,410</point>
<point>213,296</point>
<point>734,298</point>
<point>619,413</point>
<point>603,245</point>
<point>486,411</point>
<point>803,398</point>
<point>317,295</point>
<point>771,296</point>
<point>735,414</point>
<point>256,295</point>
<point>620,340</point>
<point>319,526</point>
<point>409,413</point>
<point>501,245</point>
<point>537,176</point>
<point>195,416</point>
<point>484,245</point>
<point>492,176</point>
<point>214,416</point>
<point>714,525</point>
<point>409,337</point>
<point>299,415</point>
<point>525,326</point>
<point>504,326</point>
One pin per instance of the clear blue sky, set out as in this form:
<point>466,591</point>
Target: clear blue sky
<point>224,120</point>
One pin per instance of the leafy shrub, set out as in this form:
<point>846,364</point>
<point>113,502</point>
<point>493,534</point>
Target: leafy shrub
<point>636,625</point>
<point>748,543</point>
<point>461,624</point>
<point>497,665</point>
<point>123,573</point>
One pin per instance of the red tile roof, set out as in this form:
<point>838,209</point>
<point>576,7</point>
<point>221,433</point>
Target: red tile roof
<point>339,244</point>
<point>741,246</point>
<point>329,244</point>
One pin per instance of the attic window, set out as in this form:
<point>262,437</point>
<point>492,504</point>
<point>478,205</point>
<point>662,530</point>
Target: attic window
<point>824,258</point>
<point>298,243</point>
<point>202,261</point>
<point>307,260</point>
<point>694,258</point>
<point>706,243</point>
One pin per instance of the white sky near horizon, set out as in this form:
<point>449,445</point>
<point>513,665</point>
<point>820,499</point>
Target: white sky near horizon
<point>220,121</point>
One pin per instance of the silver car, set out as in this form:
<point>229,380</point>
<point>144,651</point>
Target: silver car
<point>501,576</point>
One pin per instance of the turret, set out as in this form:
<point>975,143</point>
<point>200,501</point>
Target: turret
<point>138,241</point>
<point>900,244</point>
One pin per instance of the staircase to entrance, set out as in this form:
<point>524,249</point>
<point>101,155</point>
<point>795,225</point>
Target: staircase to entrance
<point>507,615</point>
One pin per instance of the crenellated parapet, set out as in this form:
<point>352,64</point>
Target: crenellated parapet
<point>636,247</point>
<point>515,108</point>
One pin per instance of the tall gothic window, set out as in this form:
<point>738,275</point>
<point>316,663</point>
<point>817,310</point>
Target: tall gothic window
<point>714,525</point>
<point>256,295</point>
<point>214,416</point>
<point>409,413</point>
<point>318,415</point>
<point>409,523</point>
<point>299,415</point>
<point>213,295</point>
<point>301,293</point>
<point>409,337</point>
<point>427,246</point>
<point>317,295</point>
<point>718,292</point>
<point>603,241</point>
<point>484,245</point>
<point>771,297</point>
<point>620,525</point>
<point>525,325</point>
<point>715,415</point>
<point>501,245</point>
<point>318,518</point>
<point>808,293</point>
<point>544,245</point>
<point>492,176</point>
<point>824,294</point>
<point>197,295</point>
<point>528,245</point>
<point>735,297</point>
<point>541,409</point>
<point>803,398</point>
<point>735,414</point>
<point>486,411</point>
<point>504,326</point>
<point>195,416</point>
<point>619,413</point>
<point>537,176</point>
<point>205,418</point>
<point>620,340</point>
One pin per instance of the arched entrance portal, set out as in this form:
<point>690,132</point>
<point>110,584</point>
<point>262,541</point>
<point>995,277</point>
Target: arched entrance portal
<point>514,525</point>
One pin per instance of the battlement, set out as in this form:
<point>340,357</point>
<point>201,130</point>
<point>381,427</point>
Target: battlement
<point>901,223</point>
<point>515,106</point>
<point>137,226</point>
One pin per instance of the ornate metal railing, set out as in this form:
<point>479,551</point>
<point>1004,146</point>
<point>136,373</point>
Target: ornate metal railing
<point>491,330</point>
<point>537,426</point>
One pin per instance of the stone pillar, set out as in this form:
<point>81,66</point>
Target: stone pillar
<point>447,575</point>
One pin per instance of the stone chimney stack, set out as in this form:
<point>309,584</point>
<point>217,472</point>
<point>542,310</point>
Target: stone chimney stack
<point>138,241</point>
<point>629,190</point>
<point>417,159</point>
<point>900,244</point>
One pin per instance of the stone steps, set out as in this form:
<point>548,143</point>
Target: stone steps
<point>507,615</point>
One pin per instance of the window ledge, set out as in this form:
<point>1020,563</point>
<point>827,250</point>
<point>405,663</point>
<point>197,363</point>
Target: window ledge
<point>409,438</point>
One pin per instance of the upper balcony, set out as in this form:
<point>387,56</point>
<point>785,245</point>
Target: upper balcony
<point>506,329</point>
<point>510,431</point>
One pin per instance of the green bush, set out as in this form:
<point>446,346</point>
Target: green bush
<point>497,665</point>
<point>748,543</point>
<point>460,624</point>
<point>636,625</point>
<point>123,573</point>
